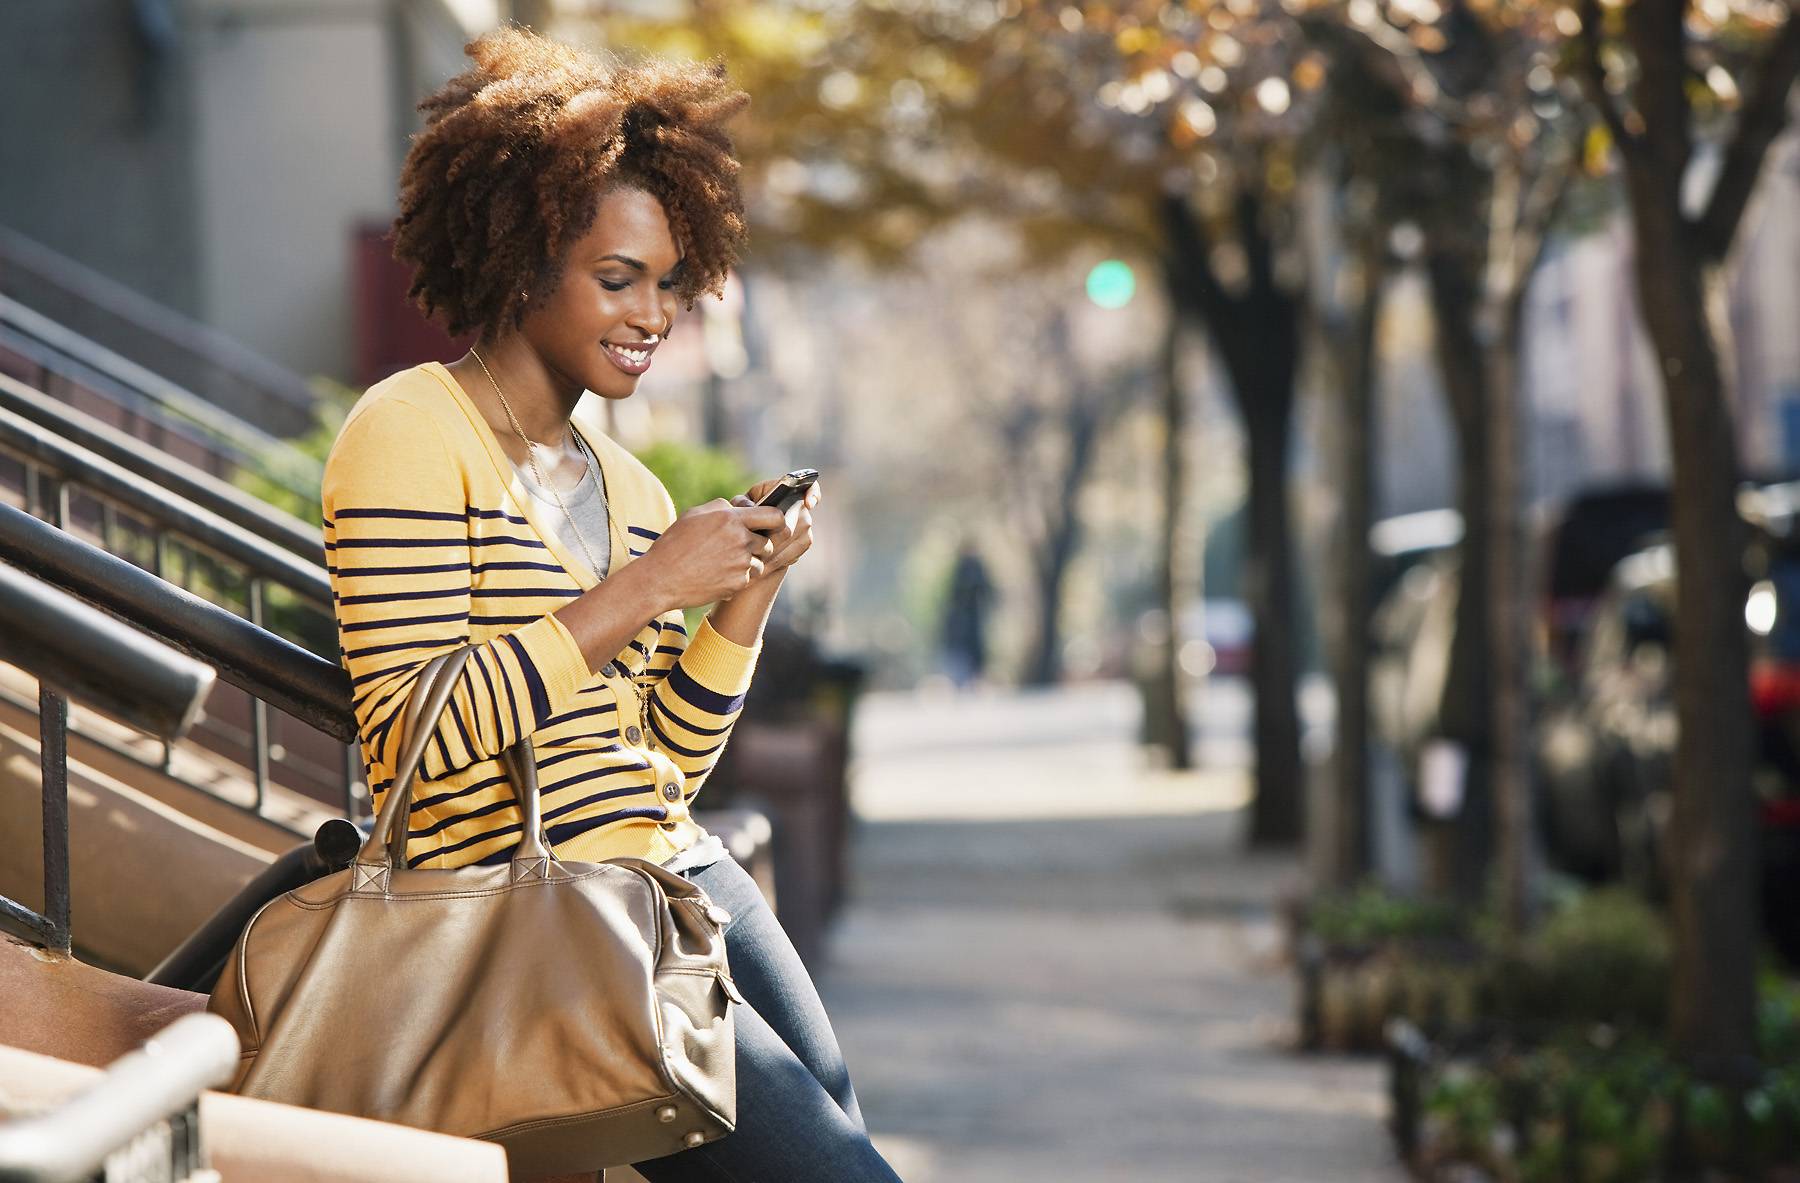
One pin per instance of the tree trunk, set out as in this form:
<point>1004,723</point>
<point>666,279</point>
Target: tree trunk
<point>1165,704</point>
<point>1084,428</point>
<point>1256,333</point>
<point>1357,435</point>
<point>1276,816</point>
<point>1458,848</point>
<point>1712,830</point>
<point>1509,639</point>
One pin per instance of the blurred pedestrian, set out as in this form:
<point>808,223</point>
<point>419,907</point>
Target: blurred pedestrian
<point>966,608</point>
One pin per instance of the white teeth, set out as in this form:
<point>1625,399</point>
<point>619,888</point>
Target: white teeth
<point>636,357</point>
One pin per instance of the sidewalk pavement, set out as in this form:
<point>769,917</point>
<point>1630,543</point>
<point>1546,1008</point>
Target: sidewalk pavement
<point>1057,963</point>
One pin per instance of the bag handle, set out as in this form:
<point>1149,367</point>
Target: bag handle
<point>384,851</point>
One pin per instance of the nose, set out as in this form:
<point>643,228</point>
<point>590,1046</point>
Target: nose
<point>653,315</point>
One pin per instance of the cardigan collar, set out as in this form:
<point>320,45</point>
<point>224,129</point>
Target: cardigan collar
<point>612,483</point>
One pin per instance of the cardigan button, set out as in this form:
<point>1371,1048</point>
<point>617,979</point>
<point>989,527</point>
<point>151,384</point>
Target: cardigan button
<point>671,792</point>
<point>610,670</point>
<point>633,735</point>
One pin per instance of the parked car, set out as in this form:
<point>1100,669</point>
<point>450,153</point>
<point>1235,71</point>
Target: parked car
<point>1225,631</point>
<point>1605,750</point>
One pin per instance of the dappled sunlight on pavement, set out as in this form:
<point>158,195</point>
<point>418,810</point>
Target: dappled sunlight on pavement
<point>1057,964</point>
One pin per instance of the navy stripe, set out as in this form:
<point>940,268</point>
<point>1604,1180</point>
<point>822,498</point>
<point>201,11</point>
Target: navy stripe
<point>494,807</point>
<point>471,511</point>
<point>505,620</point>
<point>566,592</point>
<point>432,570</point>
<point>493,699</point>
<point>657,702</point>
<point>558,834</point>
<point>443,749</point>
<point>345,543</point>
<point>582,737</point>
<point>514,566</point>
<point>508,803</point>
<point>675,748</point>
<point>392,597</point>
<point>675,649</point>
<point>568,830</point>
<point>396,646</point>
<point>507,540</point>
<point>512,700</point>
<point>643,533</point>
<point>378,732</point>
<point>694,694</point>
<point>455,713</point>
<point>465,791</point>
<point>571,716</point>
<point>372,675</point>
<point>402,622</point>
<point>430,515</point>
<point>534,682</point>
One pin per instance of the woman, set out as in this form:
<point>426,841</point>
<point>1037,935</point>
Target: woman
<point>563,207</point>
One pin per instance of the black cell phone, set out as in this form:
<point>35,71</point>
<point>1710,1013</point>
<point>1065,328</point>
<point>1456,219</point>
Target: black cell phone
<point>790,494</point>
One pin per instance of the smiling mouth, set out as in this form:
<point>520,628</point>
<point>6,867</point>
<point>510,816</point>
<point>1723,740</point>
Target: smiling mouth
<point>632,361</point>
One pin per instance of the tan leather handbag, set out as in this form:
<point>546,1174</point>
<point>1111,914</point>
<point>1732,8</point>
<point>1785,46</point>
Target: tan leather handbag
<point>579,1014</point>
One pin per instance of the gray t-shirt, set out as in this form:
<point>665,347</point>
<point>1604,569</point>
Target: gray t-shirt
<point>587,505</point>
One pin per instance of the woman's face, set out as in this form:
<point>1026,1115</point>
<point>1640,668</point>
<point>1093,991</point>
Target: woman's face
<point>599,329</point>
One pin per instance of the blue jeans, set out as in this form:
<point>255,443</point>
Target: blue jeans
<point>797,1117</point>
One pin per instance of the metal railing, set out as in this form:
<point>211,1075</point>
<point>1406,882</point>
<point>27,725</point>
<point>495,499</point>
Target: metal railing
<point>220,557</point>
<point>60,361</point>
<point>72,648</point>
<point>272,670</point>
<point>169,472</point>
<point>139,1122</point>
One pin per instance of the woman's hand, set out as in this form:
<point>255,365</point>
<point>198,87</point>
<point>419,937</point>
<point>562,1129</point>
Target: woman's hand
<point>788,545</point>
<point>712,552</point>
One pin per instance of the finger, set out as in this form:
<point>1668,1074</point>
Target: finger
<point>813,494</point>
<point>762,518</point>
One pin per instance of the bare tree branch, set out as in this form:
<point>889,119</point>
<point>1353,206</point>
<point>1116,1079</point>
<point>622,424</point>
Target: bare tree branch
<point>1194,281</point>
<point>1593,77</point>
<point>1764,114</point>
<point>1537,213</point>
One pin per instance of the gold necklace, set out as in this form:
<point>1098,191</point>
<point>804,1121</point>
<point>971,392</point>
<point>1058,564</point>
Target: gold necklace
<point>531,455</point>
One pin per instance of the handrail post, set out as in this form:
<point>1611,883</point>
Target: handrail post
<point>259,710</point>
<point>53,763</point>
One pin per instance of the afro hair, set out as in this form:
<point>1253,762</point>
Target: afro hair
<point>518,150</point>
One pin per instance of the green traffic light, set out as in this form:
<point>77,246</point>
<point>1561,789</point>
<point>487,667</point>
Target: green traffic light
<point>1111,284</point>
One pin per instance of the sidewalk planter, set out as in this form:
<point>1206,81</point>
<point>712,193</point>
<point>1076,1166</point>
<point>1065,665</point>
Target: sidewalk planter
<point>1348,994</point>
<point>1591,1109</point>
<point>1369,956</point>
<point>1565,1078</point>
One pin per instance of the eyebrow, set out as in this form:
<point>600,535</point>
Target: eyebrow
<point>635,265</point>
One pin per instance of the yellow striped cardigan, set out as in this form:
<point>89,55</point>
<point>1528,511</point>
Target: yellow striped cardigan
<point>432,542</point>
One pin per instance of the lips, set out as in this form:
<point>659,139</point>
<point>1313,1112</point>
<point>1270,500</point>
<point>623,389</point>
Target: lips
<point>633,359</point>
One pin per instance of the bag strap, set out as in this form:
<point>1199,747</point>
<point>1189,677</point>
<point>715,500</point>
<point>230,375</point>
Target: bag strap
<point>384,851</point>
